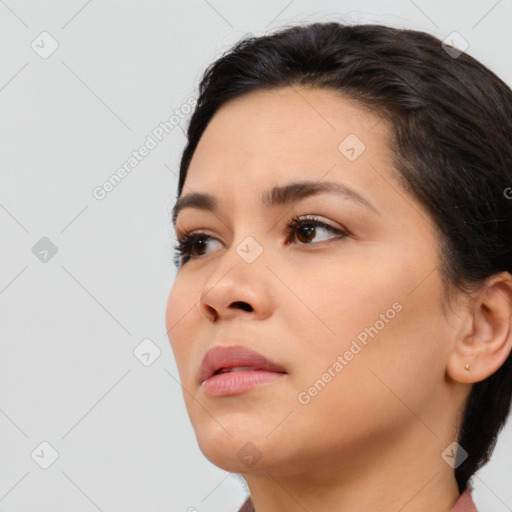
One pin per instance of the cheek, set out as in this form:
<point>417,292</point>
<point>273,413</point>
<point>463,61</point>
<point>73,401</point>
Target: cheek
<point>179,318</point>
<point>375,386</point>
<point>387,331</point>
<point>340,299</point>
<point>172,310</point>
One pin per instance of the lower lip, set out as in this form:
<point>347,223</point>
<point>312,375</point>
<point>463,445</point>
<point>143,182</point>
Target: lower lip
<point>233,383</point>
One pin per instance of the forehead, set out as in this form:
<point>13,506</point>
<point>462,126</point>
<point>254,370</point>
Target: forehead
<point>273,136</point>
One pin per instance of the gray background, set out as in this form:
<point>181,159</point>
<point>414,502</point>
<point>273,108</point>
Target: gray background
<point>70,321</point>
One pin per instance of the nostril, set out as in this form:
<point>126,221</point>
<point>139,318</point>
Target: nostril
<point>242,305</point>
<point>210,312</point>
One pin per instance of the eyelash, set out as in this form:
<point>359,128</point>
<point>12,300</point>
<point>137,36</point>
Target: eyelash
<point>187,240</point>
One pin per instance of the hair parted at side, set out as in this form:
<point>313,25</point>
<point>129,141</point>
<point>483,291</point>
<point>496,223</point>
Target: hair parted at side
<point>452,146</point>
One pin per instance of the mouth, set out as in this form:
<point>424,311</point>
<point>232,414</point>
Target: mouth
<point>230,370</point>
<point>235,369</point>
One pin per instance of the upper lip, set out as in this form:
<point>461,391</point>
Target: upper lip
<point>231,356</point>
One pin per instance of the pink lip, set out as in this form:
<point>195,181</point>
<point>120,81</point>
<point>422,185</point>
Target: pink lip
<point>238,381</point>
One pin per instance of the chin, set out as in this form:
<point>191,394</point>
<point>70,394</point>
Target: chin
<point>233,448</point>
<point>231,454</point>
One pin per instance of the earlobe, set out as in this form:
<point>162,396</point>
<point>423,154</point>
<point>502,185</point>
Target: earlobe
<point>481,352</point>
<point>465,364</point>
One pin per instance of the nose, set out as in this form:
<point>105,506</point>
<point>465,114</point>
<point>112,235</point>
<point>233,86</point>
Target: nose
<point>243,290</point>
<point>212,314</point>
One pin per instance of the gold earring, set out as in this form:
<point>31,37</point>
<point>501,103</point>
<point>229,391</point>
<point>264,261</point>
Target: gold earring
<point>467,367</point>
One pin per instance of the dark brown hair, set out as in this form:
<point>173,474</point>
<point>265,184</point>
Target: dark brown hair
<point>452,144</point>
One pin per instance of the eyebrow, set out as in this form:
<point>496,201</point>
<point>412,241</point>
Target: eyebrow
<point>276,196</point>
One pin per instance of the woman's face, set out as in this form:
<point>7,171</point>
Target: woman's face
<point>355,321</point>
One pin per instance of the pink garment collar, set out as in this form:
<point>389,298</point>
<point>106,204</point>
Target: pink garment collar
<point>464,503</point>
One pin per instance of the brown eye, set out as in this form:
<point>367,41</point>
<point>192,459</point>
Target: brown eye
<point>307,229</point>
<point>308,232</point>
<point>194,245</point>
<point>188,244</point>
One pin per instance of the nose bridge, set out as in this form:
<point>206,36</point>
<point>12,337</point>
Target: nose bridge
<point>238,282</point>
<point>248,230</point>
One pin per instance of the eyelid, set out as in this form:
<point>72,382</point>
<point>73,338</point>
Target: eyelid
<point>187,238</point>
<point>315,219</point>
<point>297,219</point>
<point>291,217</point>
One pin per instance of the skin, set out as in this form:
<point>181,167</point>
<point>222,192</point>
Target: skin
<point>372,438</point>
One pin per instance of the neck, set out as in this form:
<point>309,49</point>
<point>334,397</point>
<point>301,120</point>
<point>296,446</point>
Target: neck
<point>406,475</point>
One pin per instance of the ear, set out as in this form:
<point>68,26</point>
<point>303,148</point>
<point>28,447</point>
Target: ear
<point>487,342</point>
